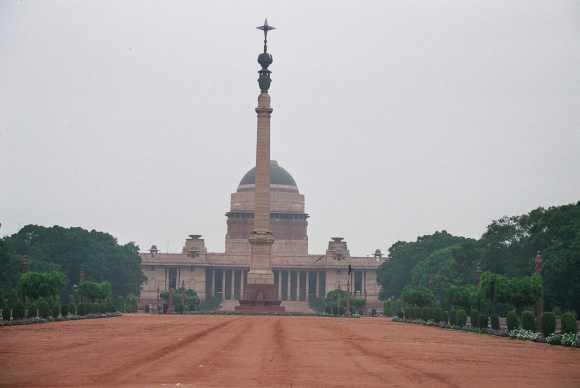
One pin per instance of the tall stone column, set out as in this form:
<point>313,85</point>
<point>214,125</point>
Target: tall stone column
<point>261,239</point>
<point>260,293</point>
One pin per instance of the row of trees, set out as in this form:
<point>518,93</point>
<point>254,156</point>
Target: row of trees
<point>449,265</point>
<point>38,294</point>
<point>496,294</point>
<point>57,256</point>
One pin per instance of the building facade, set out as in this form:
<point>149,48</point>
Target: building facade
<point>298,275</point>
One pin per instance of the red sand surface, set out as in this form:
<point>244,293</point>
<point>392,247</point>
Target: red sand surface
<point>148,350</point>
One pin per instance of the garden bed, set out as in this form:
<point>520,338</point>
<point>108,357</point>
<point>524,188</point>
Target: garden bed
<point>33,321</point>
<point>570,340</point>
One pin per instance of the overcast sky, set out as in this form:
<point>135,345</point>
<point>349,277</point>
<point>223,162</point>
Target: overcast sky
<point>396,118</point>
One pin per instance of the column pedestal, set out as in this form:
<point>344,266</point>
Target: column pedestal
<point>260,293</point>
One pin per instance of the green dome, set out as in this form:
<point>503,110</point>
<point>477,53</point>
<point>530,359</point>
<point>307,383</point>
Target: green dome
<point>278,176</point>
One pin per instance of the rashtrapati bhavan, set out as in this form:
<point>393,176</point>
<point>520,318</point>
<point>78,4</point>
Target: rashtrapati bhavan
<point>298,275</point>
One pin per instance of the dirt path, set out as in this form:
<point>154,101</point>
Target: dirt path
<point>147,350</point>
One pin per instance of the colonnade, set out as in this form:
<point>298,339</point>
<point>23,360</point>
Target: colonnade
<point>291,284</point>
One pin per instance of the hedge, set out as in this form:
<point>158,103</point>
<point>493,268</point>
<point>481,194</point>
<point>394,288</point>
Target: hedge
<point>43,308</point>
<point>513,321</point>
<point>18,311</point>
<point>461,318</point>
<point>453,317</point>
<point>55,309</point>
<point>474,318</point>
<point>568,323</point>
<point>548,324</point>
<point>483,321</point>
<point>6,312</point>
<point>528,321</point>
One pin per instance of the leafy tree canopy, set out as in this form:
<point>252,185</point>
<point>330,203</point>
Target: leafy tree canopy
<point>47,285</point>
<point>72,250</point>
<point>396,273</point>
<point>418,296</point>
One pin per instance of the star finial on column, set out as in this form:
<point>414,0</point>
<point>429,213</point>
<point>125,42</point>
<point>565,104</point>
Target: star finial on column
<point>266,27</point>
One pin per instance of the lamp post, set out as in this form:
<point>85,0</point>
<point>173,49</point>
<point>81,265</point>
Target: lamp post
<point>348,313</point>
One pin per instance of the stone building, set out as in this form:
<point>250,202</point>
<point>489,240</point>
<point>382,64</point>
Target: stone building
<point>298,275</point>
<point>275,248</point>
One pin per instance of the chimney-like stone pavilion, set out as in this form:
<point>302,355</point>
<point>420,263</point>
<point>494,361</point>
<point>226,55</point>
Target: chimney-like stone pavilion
<point>260,293</point>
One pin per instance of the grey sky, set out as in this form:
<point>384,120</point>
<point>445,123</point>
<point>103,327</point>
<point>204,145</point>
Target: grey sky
<point>396,118</point>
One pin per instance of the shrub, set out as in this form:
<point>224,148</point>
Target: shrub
<point>83,309</point>
<point>179,308</point>
<point>528,321</point>
<point>461,318</point>
<point>495,322</point>
<point>444,317</point>
<point>568,339</point>
<point>437,314</point>
<point>18,310</point>
<point>568,322</point>
<point>43,308</point>
<point>513,322</point>
<point>453,317</point>
<point>523,334</point>
<point>64,310</point>
<point>55,309</point>
<point>210,304</point>
<point>474,318</point>
<point>31,309</point>
<point>6,312</point>
<point>426,313</point>
<point>483,321</point>
<point>554,339</point>
<point>548,324</point>
<point>392,308</point>
<point>415,312</point>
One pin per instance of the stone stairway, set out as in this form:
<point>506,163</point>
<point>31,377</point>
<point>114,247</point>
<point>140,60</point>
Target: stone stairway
<point>297,307</point>
<point>291,307</point>
<point>229,305</point>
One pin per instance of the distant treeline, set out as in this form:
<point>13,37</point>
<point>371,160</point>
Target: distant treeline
<point>508,247</point>
<point>71,251</point>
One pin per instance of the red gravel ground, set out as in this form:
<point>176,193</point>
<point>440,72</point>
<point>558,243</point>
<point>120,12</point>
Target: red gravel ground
<point>149,350</point>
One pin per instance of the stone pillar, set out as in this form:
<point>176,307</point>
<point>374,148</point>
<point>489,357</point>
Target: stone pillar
<point>280,284</point>
<point>260,293</point>
<point>261,239</point>
<point>307,277</point>
<point>242,289</point>
<point>223,284</point>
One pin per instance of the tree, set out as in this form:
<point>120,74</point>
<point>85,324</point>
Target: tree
<point>36,285</point>
<point>95,292</point>
<point>495,288</point>
<point>396,273</point>
<point>524,291</point>
<point>418,296</point>
<point>464,296</point>
<point>72,250</point>
<point>9,267</point>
